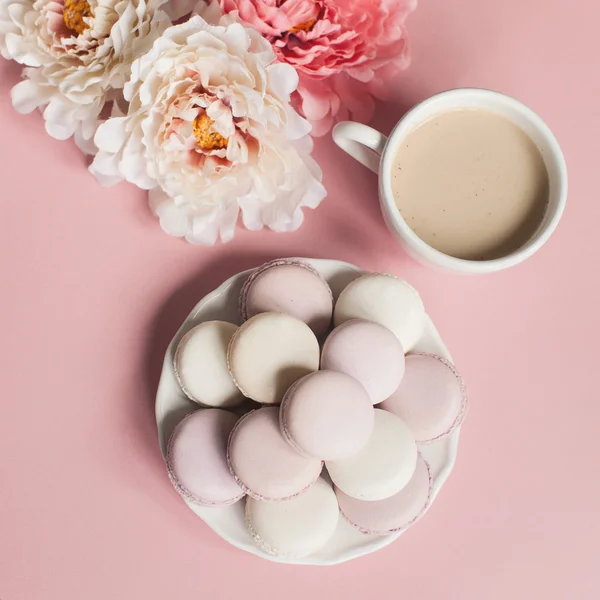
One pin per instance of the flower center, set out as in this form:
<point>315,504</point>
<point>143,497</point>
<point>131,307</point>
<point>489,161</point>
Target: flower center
<point>207,139</point>
<point>74,12</point>
<point>306,26</point>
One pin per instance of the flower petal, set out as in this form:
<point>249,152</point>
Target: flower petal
<point>111,135</point>
<point>27,96</point>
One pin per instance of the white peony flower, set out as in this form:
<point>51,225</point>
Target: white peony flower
<point>210,131</point>
<point>77,54</point>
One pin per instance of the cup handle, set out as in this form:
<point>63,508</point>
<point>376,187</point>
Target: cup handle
<point>361,142</point>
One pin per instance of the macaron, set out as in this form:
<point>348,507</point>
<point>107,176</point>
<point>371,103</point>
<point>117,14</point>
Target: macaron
<point>265,466</point>
<point>383,467</point>
<point>297,527</point>
<point>369,352</point>
<point>327,415</point>
<point>289,286</point>
<point>200,365</point>
<point>197,458</point>
<point>431,399</point>
<point>386,300</point>
<point>268,353</point>
<point>383,517</point>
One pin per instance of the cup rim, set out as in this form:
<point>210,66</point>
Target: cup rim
<point>448,261</point>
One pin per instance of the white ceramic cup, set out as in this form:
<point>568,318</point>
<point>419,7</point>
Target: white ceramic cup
<point>377,152</point>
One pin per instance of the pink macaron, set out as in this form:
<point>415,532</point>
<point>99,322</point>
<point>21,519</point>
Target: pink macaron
<point>431,399</point>
<point>383,517</point>
<point>370,353</point>
<point>197,458</point>
<point>327,415</point>
<point>289,286</point>
<point>265,466</point>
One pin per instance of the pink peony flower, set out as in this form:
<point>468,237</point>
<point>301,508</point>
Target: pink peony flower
<point>342,49</point>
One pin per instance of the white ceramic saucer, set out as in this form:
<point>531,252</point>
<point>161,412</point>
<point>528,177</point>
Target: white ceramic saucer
<point>228,522</point>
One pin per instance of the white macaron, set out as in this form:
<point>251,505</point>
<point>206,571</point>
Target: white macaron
<point>386,300</point>
<point>200,365</point>
<point>297,527</point>
<point>268,353</point>
<point>383,467</point>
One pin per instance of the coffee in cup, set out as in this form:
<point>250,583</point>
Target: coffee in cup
<point>471,184</point>
<point>470,180</point>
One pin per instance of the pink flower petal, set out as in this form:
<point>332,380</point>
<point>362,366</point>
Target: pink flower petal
<point>339,56</point>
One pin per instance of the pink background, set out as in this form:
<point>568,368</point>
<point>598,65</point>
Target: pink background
<point>92,292</point>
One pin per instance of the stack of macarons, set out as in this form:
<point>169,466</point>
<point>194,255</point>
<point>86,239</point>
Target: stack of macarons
<point>336,405</point>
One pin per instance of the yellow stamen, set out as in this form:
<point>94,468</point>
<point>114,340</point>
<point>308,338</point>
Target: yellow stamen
<point>207,139</point>
<point>74,12</point>
<point>306,26</point>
